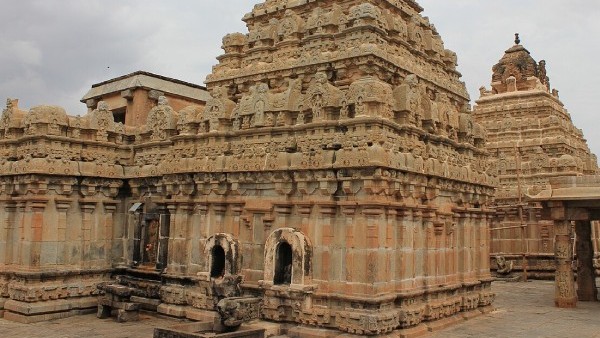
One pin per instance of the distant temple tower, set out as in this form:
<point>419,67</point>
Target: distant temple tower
<point>333,183</point>
<point>531,138</point>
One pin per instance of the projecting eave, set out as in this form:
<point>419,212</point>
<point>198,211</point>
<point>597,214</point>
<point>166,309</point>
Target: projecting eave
<point>570,189</point>
<point>148,81</point>
<point>517,94</point>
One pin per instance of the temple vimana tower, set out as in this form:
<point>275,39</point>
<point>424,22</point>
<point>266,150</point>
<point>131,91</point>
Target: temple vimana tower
<point>531,138</point>
<point>335,174</point>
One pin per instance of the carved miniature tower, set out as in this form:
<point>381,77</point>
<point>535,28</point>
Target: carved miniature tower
<point>345,135</point>
<point>335,176</point>
<point>531,138</point>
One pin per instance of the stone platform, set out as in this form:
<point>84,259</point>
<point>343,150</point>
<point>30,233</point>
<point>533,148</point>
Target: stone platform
<point>522,310</point>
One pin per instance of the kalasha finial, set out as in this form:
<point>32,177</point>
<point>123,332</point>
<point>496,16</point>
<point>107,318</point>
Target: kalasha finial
<point>517,39</point>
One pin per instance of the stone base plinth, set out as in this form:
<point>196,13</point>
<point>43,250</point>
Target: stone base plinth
<point>566,303</point>
<point>443,323</point>
<point>23,312</point>
<point>147,304</point>
<point>310,332</point>
<point>202,315</point>
<point>2,302</point>
<point>176,311</point>
<point>416,331</point>
<point>199,330</point>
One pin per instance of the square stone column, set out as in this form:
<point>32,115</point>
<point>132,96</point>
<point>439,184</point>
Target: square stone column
<point>586,274</point>
<point>564,294</point>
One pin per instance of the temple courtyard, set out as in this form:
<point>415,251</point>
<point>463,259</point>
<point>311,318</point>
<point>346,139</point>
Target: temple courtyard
<point>522,310</point>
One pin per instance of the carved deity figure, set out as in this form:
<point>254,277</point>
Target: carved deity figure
<point>160,119</point>
<point>543,75</point>
<point>260,105</point>
<point>7,116</point>
<point>503,267</point>
<point>407,97</point>
<point>102,120</point>
<point>321,94</point>
<point>219,106</point>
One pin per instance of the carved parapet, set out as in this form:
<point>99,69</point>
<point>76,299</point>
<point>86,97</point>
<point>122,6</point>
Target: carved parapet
<point>321,96</point>
<point>407,101</point>
<point>486,298</point>
<point>367,323</point>
<point>48,120</point>
<point>235,311</point>
<point>201,299</point>
<point>367,14</point>
<point>173,294</point>
<point>162,120</point>
<point>100,119</point>
<point>410,316</point>
<point>371,97</point>
<point>315,316</point>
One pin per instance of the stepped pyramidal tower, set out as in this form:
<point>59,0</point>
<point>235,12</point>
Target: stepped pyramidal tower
<point>531,138</point>
<point>335,174</point>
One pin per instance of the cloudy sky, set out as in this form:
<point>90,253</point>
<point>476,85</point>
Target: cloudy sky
<point>54,50</point>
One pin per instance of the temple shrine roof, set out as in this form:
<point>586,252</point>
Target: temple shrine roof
<point>141,79</point>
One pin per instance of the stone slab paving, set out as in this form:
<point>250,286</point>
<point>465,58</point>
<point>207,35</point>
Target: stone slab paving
<point>527,310</point>
<point>523,310</point>
<point>86,326</point>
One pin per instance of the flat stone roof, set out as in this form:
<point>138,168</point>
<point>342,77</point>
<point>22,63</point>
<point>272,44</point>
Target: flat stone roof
<point>571,188</point>
<point>141,79</point>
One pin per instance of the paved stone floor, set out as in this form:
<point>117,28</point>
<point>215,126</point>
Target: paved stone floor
<point>527,310</point>
<point>523,310</point>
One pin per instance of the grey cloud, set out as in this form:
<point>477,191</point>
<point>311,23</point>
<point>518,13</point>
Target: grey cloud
<point>54,50</point>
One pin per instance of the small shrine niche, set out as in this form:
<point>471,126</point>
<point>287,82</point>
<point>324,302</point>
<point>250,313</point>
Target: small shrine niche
<point>151,238</point>
<point>217,269</point>
<point>150,229</point>
<point>222,256</point>
<point>283,264</point>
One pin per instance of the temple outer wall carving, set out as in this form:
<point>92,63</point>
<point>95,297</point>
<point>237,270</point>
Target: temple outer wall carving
<point>531,139</point>
<point>336,173</point>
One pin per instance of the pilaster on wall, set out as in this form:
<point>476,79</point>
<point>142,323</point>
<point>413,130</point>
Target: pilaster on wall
<point>88,232</point>
<point>179,239</point>
<point>9,236</point>
<point>564,294</point>
<point>62,206</point>
<point>34,229</point>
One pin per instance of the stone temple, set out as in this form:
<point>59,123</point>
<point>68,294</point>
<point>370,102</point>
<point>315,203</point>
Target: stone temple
<point>531,139</point>
<point>335,176</point>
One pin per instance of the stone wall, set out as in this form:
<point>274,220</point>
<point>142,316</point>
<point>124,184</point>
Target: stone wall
<point>531,138</point>
<point>336,172</point>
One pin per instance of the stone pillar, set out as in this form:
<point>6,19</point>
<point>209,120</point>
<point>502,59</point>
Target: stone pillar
<point>163,237</point>
<point>564,294</point>
<point>178,256</point>
<point>42,236</point>
<point>109,239</point>
<point>586,277</point>
<point>12,235</point>
<point>87,223</point>
<point>62,208</point>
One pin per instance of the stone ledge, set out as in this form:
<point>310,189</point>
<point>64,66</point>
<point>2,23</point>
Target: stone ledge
<point>172,310</point>
<point>34,313</point>
<point>47,307</point>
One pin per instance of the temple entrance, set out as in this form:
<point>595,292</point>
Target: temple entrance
<point>573,203</point>
<point>217,269</point>
<point>586,273</point>
<point>283,264</point>
<point>151,239</point>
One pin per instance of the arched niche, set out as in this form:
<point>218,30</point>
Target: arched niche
<point>276,246</point>
<point>222,256</point>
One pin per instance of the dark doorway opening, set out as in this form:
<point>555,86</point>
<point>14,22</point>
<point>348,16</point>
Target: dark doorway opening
<point>283,264</point>
<point>217,269</point>
<point>119,115</point>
